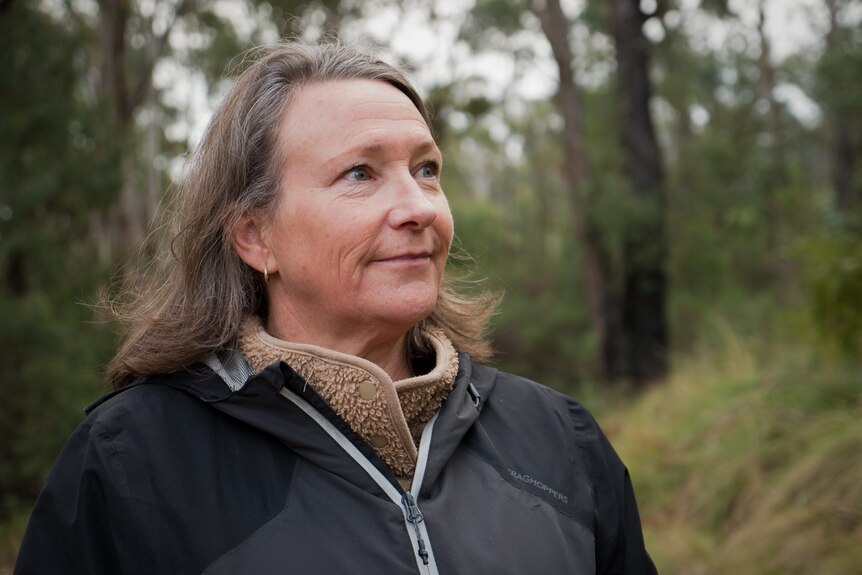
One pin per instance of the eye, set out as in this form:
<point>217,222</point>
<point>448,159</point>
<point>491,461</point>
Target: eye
<point>429,169</point>
<point>358,174</point>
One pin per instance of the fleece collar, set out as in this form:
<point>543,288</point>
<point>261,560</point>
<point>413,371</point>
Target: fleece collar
<point>388,415</point>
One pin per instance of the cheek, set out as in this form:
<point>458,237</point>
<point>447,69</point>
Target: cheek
<point>292,239</point>
<point>301,219</point>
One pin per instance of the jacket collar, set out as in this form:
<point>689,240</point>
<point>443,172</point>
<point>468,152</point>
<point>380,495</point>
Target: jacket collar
<point>388,414</point>
<point>259,403</point>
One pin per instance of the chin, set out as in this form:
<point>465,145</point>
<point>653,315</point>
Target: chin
<point>410,316</point>
<point>403,308</point>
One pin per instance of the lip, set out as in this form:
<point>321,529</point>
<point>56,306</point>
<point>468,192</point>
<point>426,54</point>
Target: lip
<point>409,257</point>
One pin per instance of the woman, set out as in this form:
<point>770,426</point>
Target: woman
<point>298,391</point>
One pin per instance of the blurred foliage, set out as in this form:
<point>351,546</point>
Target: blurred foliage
<point>835,283</point>
<point>55,171</point>
<point>52,177</point>
<point>731,456</point>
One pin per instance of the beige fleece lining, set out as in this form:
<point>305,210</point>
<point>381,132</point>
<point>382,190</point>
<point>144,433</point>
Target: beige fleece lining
<point>391,418</point>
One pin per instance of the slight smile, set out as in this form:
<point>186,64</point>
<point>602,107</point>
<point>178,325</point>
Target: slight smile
<point>406,258</point>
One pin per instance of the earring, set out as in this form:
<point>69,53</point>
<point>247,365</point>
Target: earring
<point>265,274</point>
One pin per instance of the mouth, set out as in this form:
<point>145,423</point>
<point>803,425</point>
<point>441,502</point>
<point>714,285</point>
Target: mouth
<point>408,257</point>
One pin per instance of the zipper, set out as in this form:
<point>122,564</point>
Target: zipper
<point>414,516</point>
<point>414,520</point>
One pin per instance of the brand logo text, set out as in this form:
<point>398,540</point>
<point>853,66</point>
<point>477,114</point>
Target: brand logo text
<point>539,485</point>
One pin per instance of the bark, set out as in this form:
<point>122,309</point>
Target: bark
<point>843,152</point>
<point>113,17</point>
<point>594,267</point>
<point>644,322</point>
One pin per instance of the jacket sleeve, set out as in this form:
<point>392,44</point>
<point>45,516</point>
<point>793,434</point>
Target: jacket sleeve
<point>620,543</point>
<point>620,548</point>
<point>70,527</point>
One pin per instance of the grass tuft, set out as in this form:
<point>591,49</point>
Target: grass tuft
<point>747,462</point>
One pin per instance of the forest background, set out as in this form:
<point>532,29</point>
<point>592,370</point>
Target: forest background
<point>669,192</point>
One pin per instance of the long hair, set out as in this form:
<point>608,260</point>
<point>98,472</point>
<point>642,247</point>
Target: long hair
<point>191,303</point>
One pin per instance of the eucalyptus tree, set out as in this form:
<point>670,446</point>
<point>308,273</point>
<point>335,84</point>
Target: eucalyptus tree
<point>839,86</point>
<point>622,264</point>
<point>600,291</point>
<point>645,249</point>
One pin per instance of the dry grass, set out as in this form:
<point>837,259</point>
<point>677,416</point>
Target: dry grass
<point>749,465</point>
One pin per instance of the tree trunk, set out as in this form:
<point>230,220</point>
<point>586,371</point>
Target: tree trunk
<point>126,224</point>
<point>644,322</point>
<point>603,312</point>
<point>843,152</point>
<point>776,177</point>
<point>113,18</point>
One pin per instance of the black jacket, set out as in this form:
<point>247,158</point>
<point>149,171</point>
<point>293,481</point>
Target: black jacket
<point>179,474</point>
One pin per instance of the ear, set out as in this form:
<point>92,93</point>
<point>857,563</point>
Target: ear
<point>250,244</point>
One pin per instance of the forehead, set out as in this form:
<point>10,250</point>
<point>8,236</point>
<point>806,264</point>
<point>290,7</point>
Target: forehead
<point>331,116</point>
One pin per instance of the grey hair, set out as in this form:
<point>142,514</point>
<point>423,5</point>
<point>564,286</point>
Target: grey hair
<point>193,302</point>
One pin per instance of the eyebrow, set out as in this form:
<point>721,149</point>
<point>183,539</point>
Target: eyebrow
<point>374,149</point>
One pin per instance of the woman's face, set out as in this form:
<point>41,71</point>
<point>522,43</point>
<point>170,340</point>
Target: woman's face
<point>362,231</point>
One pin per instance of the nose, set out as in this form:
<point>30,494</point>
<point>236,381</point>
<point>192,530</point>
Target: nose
<point>412,206</point>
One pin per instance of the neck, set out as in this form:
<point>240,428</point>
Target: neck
<point>387,352</point>
<point>392,360</point>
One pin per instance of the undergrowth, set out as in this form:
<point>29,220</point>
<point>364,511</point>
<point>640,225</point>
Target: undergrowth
<point>747,462</point>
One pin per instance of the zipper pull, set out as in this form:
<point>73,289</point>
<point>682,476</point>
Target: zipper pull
<point>474,395</point>
<point>414,516</point>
